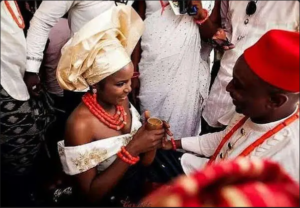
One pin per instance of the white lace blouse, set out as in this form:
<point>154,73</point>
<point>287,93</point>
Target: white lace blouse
<point>100,154</point>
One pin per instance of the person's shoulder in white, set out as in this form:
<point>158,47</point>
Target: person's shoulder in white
<point>288,155</point>
<point>13,52</point>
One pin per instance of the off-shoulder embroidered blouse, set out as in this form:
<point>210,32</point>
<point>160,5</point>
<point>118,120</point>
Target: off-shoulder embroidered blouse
<point>100,154</point>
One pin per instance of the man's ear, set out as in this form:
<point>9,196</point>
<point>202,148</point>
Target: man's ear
<point>277,100</point>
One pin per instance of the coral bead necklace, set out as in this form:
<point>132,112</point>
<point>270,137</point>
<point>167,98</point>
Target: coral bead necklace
<point>116,122</point>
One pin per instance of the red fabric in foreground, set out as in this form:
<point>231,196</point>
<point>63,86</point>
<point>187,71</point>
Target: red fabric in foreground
<point>230,183</point>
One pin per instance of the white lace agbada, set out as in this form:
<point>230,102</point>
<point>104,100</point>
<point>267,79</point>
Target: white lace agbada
<point>100,154</point>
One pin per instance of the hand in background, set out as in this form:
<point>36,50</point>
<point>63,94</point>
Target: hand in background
<point>220,41</point>
<point>32,81</point>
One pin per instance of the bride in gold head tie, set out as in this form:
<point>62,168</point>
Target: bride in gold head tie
<point>104,136</point>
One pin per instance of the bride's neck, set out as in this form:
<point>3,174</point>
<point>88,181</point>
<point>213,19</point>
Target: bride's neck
<point>106,106</point>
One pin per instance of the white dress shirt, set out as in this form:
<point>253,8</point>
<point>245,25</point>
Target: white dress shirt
<point>243,31</point>
<point>283,147</point>
<point>13,54</point>
<point>48,14</point>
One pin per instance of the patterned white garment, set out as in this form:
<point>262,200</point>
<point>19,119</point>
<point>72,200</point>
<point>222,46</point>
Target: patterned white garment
<point>283,147</point>
<point>13,44</point>
<point>100,154</point>
<point>243,31</point>
<point>174,75</point>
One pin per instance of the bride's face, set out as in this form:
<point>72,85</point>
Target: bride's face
<point>117,86</point>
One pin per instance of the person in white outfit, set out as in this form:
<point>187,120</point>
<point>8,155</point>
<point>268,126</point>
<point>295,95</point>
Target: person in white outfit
<point>265,93</point>
<point>23,121</point>
<point>174,69</point>
<point>243,27</point>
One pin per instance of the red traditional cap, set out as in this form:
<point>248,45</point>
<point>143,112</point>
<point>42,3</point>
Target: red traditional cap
<point>236,183</point>
<point>275,59</point>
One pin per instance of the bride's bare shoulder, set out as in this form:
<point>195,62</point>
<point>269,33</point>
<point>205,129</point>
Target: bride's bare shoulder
<point>79,127</point>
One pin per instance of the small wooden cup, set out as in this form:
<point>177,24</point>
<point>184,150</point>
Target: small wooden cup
<point>152,124</point>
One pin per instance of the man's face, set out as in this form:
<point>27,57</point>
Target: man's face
<point>247,91</point>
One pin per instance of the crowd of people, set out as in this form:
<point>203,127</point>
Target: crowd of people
<point>82,83</point>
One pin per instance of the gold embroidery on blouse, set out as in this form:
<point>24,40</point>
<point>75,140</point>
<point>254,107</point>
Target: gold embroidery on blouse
<point>84,161</point>
<point>127,139</point>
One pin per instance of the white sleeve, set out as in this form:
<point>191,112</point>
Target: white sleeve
<point>47,15</point>
<point>204,145</point>
<point>207,144</point>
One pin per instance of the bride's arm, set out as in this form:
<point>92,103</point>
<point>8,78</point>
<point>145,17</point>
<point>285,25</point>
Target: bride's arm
<point>95,186</point>
<point>91,185</point>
